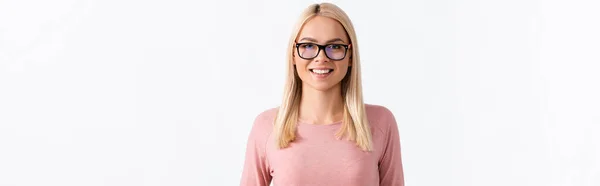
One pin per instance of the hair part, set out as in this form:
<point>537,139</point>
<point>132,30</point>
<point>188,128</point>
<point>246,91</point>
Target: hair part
<point>355,126</point>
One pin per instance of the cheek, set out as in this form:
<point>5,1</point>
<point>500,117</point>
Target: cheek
<point>343,72</point>
<point>343,69</point>
<point>300,64</point>
<point>343,64</point>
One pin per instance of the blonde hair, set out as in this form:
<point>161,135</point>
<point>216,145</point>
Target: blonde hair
<point>355,125</point>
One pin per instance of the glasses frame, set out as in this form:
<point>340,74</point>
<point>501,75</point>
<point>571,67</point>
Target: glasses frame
<point>322,47</point>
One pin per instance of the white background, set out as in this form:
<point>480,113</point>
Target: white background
<point>132,93</point>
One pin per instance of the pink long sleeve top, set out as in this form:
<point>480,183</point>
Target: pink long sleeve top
<point>316,157</point>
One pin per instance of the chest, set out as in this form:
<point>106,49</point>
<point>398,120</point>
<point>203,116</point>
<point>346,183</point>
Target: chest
<point>323,161</point>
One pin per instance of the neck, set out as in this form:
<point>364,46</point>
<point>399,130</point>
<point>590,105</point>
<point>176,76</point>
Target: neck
<point>321,107</point>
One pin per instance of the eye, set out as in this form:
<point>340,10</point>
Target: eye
<point>335,46</point>
<point>307,46</point>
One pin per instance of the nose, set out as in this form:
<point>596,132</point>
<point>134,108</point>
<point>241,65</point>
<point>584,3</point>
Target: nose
<point>321,57</point>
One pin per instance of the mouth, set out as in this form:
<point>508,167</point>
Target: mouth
<point>320,73</point>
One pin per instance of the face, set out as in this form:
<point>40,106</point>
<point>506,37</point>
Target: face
<point>322,67</point>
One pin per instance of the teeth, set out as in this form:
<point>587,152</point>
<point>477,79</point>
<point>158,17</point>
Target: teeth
<point>321,71</point>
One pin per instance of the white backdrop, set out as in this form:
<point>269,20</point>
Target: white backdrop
<point>132,93</point>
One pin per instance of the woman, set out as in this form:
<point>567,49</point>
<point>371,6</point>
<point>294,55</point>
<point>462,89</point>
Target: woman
<point>323,133</point>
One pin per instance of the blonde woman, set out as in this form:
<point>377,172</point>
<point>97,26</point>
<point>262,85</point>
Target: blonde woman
<point>323,133</point>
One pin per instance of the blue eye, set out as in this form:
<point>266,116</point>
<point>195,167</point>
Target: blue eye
<point>307,46</point>
<point>335,47</point>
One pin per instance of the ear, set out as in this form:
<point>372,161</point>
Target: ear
<point>293,57</point>
<point>350,57</point>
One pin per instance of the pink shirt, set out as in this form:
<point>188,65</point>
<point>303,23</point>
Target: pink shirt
<point>316,157</point>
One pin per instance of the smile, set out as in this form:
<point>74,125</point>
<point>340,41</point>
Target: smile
<point>321,71</point>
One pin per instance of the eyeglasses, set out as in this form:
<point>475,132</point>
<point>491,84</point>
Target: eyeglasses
<point>332,51</point>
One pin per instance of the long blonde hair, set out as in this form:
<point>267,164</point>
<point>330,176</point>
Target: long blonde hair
<point>355,125</point>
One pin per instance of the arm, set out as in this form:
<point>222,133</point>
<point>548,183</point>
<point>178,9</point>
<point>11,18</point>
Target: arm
<point>391,172</point>
<point>256,168</point>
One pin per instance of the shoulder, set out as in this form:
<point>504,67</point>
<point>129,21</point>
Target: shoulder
<point>263,122</point>
<point>378,112</point>
<point>380,117</point>
<point>266,115</point>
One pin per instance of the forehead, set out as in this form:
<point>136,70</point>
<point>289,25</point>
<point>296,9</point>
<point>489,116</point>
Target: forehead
<point>322,29</point>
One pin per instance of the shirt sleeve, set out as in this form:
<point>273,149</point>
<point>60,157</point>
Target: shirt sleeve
<point>256,169</point>
<point>391,172</point>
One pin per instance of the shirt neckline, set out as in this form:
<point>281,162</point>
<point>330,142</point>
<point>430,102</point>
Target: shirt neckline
<point>320,124</point>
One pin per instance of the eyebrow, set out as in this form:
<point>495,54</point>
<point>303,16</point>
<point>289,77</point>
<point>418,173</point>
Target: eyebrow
<point>329,41</point>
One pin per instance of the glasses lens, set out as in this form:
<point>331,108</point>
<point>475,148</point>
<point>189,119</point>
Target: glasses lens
<point>335,51</point>
<point>308,50</point>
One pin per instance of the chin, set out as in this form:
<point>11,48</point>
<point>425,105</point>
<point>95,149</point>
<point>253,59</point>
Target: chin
<point>321,83</point>
<point>323,86</point>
